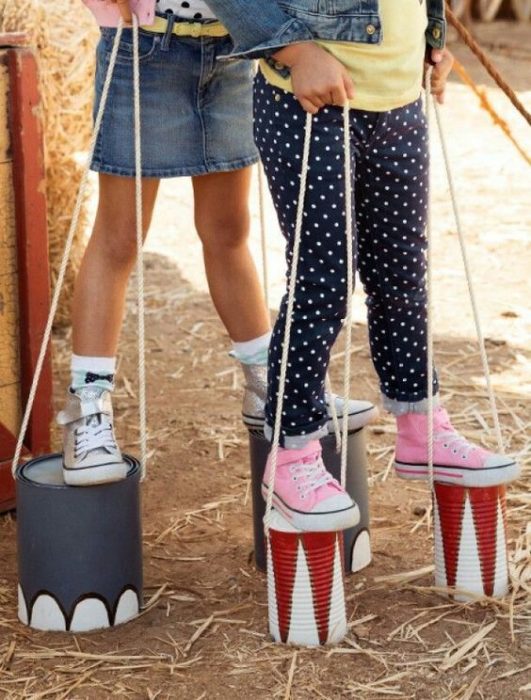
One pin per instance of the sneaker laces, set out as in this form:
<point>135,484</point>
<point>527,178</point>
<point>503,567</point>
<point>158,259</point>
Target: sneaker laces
<point>312,473</point>
<point>452,439</point>
<point>94,435</point>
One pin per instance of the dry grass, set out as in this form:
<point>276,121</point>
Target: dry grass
<point>204,635</point>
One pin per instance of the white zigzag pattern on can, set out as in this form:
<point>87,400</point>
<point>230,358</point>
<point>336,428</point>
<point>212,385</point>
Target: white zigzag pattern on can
<point>501,573</point>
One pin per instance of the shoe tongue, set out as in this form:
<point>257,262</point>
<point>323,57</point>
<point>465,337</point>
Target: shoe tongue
<point>306,455</point>
<point>442,421</point>
<point>89,393</point>
<point>94,420</point>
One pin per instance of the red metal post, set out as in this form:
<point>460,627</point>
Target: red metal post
<point>32,238</point>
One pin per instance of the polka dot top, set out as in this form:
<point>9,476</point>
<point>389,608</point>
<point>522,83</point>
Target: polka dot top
<point>187,9</point>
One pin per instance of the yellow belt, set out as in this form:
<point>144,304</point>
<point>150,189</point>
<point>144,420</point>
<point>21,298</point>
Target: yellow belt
<point>194,29</point>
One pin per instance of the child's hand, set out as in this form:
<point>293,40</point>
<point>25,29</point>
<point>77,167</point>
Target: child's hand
<point>444,61</point>
<point>318,78</point>
<point>125,10</point>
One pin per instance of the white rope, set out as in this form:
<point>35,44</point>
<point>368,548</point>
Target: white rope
<point>429,300</point>
<point>341,431</point>
<point>140,255</point>
<point>66,256</point>
<point>291,301</point>
<point>471,291</point>
<point>263,232</point>
<point>289,314</point>
<point>468,274</point>
<point>333,411</point>
<point>350,291</point>
<point>265,279</point>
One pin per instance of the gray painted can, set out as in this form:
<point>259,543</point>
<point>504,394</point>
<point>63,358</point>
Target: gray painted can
<point>79,549</point>
<point>356,540</point>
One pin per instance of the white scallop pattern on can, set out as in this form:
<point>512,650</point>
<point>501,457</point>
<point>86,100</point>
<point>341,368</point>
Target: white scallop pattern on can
<point>361,552</point>
<point>46,614</point>
<point>128,607</point>
<point>22,607</point>
<point>89,614</point>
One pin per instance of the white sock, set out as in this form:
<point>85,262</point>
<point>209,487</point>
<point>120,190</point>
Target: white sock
<point>252,352</point>
<point>92,371</point>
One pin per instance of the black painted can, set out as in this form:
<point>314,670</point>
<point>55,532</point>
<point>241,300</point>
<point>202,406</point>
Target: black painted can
<point>79,549</point>
<point>356,540</point>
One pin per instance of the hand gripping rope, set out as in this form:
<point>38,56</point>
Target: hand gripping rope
<point>68,247</point>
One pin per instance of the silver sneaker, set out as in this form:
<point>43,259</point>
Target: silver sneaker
<point>90,453</point>
<point>360,413</point>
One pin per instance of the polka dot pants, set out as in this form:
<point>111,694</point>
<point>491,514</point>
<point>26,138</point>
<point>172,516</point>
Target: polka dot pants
<point>390,184</point>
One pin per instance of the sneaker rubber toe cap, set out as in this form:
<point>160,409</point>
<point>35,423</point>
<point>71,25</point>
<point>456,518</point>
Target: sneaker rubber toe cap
<point>334,504</point>
<point>494,461</point>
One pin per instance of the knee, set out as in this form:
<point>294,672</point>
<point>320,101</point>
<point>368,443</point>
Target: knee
<point>116,241</point>
<point>222,233</point>
<point>395,296</point>
<point>321,297</point>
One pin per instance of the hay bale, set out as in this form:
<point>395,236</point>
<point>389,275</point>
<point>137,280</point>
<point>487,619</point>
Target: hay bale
<point>64,36</point>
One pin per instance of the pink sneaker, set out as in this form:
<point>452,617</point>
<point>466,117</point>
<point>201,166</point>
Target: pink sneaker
<point>307,495</point>
<point>455,460</point>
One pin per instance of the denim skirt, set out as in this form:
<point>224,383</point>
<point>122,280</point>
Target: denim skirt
<point>196,111</point>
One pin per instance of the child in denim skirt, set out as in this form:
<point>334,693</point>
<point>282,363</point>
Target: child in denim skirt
<point>316,57</point>
<point>196,114</point>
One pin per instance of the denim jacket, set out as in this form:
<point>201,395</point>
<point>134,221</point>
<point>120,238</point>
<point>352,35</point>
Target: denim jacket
<point>258,27</point>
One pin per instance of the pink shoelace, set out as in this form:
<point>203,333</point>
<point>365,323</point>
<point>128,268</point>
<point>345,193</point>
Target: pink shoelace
<point>312,474</point>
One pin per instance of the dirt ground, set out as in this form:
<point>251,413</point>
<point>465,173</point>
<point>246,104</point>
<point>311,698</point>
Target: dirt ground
<point>405,639</point>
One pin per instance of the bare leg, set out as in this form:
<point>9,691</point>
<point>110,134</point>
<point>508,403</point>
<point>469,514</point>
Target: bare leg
<point>101,284</point>
<point>222,221</point>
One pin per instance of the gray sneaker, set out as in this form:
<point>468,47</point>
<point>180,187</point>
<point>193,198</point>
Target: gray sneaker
<point>360,413</point>
<point>90,453</point>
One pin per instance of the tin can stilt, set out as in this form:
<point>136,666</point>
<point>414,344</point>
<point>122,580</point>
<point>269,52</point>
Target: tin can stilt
<point>305,584</point>
<point>79,549</point>
<point>470,540</point>
<point>356,540</point>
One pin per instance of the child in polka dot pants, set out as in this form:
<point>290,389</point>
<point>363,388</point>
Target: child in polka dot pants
<point>389,166</point>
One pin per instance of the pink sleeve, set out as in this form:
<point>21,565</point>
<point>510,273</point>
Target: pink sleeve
<point>108,15</point>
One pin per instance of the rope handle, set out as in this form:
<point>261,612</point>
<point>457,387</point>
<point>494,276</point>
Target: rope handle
<point>140,255</point>
<point>470,285</point>
<point>289,317</point>
<point>70,238</point>
<point>291,302</point>
<point>429,292</point>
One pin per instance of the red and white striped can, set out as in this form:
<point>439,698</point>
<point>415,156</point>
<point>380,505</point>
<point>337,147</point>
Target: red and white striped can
<point>305,582</point>
<point>470,541</point>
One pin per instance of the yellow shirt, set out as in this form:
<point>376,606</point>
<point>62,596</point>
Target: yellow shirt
<point>386,75</point>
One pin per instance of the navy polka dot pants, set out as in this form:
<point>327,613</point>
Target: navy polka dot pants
<point>390,183</point>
